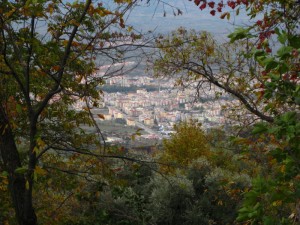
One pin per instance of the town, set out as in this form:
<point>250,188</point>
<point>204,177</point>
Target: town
<point>154,111</point>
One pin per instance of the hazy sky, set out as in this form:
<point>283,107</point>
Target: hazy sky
<point>151,17</point>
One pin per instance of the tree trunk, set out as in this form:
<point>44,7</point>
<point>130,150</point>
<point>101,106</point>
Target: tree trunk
<point>21,197</point>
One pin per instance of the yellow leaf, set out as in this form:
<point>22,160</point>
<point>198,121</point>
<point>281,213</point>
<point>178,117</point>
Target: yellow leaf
<point>38,170</point>
<point>8,14</point>
<point>50,8</point>
<point>277,203</point>
<point>6,126</point>
<point>36,149</point>
<point>27,185</point>
<point>98,193</point>
<point>75,43</point>
<point>228,16</point>
<point>5,182</point>
<point>292,216</point>
<point>282,169</point>
<point>65,42</point>
<point>40,142</point>
<point>223,15</point>
<point>133,137</point>
<point>75,23</point>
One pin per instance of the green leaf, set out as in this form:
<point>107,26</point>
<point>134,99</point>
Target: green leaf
<point>275,77</point>
<point>271,65</point>
<point>297,100</point>
<point>4,174</point>
<point>19,108</point>
<point>242,217</point>
<point>268,95</point>
<point>295,41</point>
<point>283,68</point>
<point>288,117</point>
<point>277,31</point>
<point>239,33</point>
<point>21,170</point>
<point>259,128</point>
<point>284,51</point>
<point>282,37</point>
<point>261,60</point>
<point>278,154</point>
<point>268,220</point>
<point>258,53</point>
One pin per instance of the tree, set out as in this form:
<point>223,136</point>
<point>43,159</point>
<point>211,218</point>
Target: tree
<point>186,144</point>
<point>50,51</point>
<point>196,58</point>
<point>264,76</point>
<point>200,193</point>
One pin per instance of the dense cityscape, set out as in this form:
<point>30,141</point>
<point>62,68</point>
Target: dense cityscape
<point>157,109</point>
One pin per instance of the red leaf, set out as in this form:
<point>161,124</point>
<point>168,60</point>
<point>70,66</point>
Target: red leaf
<point>245,2</point>
<point>56,68</point>
<point>259,22</point>
<point>213,12</point>
<point>295,53</point>
<point>203,6</point>
<point>258,46</point>
<point>101,116</point>
<point>197,2</point>
<point>231,4</point>
<point>268,50</point>
<point>285,76</point>
<point>294,76</point>
<point>211,4</point>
